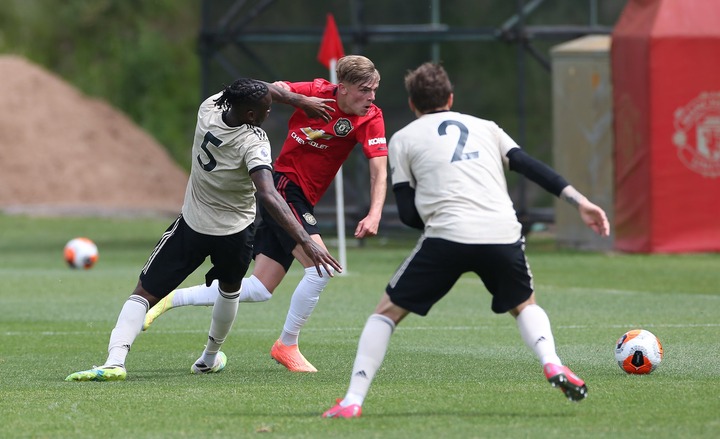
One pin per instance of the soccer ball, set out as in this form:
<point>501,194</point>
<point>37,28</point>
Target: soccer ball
<point>81,253</point>
<point>638,352</point>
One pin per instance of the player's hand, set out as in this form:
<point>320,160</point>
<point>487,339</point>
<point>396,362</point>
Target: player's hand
<point>367,227</point>
<point>594,217</point>
<point>321,258</point>
<point>317,108</point>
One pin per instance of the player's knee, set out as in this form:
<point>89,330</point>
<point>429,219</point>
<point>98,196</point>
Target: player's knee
<point>252,290</point>
<point>311,275</point>
<point>518,309</point>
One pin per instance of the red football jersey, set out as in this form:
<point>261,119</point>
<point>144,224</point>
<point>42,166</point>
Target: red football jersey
<point>314,149</point>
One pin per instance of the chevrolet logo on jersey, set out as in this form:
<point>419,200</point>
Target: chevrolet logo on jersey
<point>313,134</point>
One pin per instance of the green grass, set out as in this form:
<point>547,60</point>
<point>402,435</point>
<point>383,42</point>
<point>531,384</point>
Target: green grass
<point>461,372</point>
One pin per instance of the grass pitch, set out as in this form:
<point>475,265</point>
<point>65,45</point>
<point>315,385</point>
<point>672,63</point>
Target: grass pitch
<point>461,372</point>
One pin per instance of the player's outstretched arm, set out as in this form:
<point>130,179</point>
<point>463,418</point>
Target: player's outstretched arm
<point>535,170</point>
<point>314,107</point>
<point>278,208</point>
<point>592,215</point>
<point>369,225</point>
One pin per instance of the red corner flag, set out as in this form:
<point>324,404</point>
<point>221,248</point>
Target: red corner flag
<point>331,45</point>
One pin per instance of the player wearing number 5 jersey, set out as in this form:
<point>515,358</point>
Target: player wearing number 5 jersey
<point>313,151</point>
<point>231,165</point>
<point>448,175</point>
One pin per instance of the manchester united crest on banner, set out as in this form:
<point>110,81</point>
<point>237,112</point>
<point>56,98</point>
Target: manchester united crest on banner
<point>697,134</point>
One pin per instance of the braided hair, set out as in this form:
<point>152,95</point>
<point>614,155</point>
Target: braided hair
<point>243,91</point>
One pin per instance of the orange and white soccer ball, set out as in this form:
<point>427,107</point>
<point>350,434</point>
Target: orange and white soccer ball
<point>81,253</point>
<point>638,352</point>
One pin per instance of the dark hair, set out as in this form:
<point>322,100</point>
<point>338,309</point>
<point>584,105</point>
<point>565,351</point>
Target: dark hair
<point>428,87</point>
<point>242,91</point>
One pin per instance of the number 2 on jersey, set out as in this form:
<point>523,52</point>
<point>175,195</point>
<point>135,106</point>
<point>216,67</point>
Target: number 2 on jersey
<point>459,154</point>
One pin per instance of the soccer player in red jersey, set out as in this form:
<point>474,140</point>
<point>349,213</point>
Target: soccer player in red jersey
<point>312,153</point>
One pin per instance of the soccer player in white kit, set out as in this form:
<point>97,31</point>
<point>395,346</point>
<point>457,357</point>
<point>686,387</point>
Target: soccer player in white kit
<point>448,176</point>
<point>231,165</point>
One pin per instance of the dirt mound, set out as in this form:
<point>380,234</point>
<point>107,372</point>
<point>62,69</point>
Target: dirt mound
<point>62,152</point>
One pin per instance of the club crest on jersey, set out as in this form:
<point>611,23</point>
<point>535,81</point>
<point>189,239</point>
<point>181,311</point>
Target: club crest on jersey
<point>342,127</point>
<point>309,218</point>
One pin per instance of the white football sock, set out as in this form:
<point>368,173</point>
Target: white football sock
<point>371,351</point>
<point>223,317</point>
<point>128,326</point>
<point>252,290</point>
<point>303,302</point>
<point>536,332</point>
<point>198,295</point>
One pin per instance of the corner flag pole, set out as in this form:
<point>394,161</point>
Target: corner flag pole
<point>331,50</point>
<point>339,196</point>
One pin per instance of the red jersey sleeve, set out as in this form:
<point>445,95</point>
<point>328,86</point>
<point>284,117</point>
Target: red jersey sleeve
<point>321,88</point>
<point>372,136</point>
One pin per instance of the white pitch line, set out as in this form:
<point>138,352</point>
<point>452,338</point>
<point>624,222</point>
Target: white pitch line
<point>358,329</point>
<point>551,288</point>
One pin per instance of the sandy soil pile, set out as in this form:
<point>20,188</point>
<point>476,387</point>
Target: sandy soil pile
<point>63,153</point>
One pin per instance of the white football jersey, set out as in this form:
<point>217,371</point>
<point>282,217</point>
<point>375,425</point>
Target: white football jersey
<point>220,195</point>
<point>456,163</point>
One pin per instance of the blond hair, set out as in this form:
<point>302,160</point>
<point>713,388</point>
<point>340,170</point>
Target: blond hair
<point>356,69</point>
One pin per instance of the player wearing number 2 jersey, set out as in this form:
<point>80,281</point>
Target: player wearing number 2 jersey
<point>448,174</point>
<point>312,153</point>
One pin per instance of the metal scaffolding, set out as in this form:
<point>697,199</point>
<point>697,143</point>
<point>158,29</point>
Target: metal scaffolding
<point>233,29</point>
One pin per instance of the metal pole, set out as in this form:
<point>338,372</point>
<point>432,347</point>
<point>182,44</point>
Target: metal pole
<point>435,21</point>
<point>339,197</point>
<point>522,205</point>
<point>204,49</point>
<point>593,13</point>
